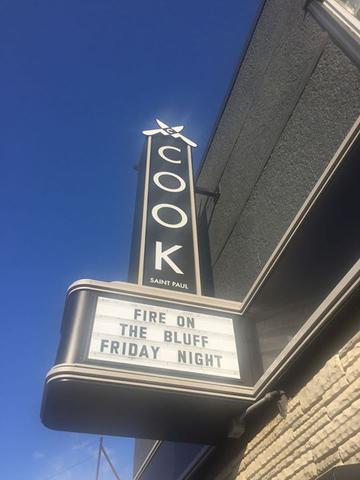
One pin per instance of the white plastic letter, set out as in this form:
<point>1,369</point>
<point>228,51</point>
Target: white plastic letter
<point>180,188</point>
<point>155,214</point>
<point>162,154</point>
<point>164,255</point>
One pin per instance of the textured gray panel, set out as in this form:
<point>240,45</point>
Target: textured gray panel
<point>288,72</point>
<point>322,117</point>
<point>277,17</point>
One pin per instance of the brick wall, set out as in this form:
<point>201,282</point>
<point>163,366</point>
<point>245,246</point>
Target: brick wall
<point>321,429</point>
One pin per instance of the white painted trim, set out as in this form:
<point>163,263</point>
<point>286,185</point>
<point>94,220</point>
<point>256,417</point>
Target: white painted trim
<point>152,381</point>
<point>144,214</point>
<point>133,289</point>
<point>194,224</point>
<point>147,460</point>
<point>346,17</point>
<point>311,328</point>
<point>320,186</point>
<point>196,463</point>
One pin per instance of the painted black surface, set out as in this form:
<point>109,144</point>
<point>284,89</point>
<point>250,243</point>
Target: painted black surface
<point>93,406</point>
<point>136,232</point>
<point>207,281</point>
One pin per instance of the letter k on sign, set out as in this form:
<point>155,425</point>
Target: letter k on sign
<point>161,255</point>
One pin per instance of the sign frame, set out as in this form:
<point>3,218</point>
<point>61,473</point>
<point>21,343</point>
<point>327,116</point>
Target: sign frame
<point>111,339</point>
<point>74,380</point>
<point>146,191</point>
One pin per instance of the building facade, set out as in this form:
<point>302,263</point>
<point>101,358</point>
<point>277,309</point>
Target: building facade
<point>284,240</point>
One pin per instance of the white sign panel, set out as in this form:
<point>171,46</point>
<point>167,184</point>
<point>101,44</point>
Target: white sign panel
<point>162,337</point>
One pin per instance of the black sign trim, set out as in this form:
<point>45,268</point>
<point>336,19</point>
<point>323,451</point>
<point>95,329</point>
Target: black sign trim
<point>196,289</point>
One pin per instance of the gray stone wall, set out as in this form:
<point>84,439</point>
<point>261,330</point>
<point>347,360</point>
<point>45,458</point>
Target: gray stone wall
<point>320,431</point>
<point>295,98</point>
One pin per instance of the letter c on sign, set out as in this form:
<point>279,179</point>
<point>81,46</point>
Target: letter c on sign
<point>155,214</point>
<point>180,188</point>
<point>162,154</point>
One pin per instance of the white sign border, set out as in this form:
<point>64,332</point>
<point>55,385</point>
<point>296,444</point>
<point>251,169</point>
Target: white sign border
<point>165,371</point>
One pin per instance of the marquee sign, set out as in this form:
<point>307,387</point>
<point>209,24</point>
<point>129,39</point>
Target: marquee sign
<point>153,358</point>
<point>168,253</point>
<point>141,362</point>
<point>161,337</point>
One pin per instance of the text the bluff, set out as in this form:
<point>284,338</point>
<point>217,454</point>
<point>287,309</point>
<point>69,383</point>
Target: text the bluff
<point>168,253</point>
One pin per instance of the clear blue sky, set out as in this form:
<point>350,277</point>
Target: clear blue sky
<point>79,81</point>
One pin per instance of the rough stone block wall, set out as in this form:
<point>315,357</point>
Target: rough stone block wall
<point>321,429</point>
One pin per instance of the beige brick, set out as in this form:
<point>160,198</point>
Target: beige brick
<point>350,448</point>
<point>354,459</point>
<point>269,476</point>
<point>313,392</point>
<point>314,423</point>
<point>293,403</point>
<point>242,476</point>
<point>282,427</point>
<point>320,430</point>
<point>297,465</point>
<point>304,460</point>
<point>287,463</point>
<point>279,476</point>
<point>308,473</point>
<point>276,464</point>
<point>276,452</point>
<point>268,438</point>
<point>342,401</point>
<point>348,414</point>
<point>323,450</point>
<point>328,462</point>
<point>353,371</point>
<point>346,424</point>
<point>307,398</point>
<point>296,417</point>
<point>351,357</point>
<point>330,374</point>
<point>350,345</point>
<point>322,436</point>
<point>335,390</point>
<point>268,430</point>
<point>250,471</point>
<point>246,462</point>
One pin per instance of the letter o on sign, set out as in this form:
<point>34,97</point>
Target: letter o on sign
<point>155,214</point>
<point>163,156</point>
<point>180,188</point>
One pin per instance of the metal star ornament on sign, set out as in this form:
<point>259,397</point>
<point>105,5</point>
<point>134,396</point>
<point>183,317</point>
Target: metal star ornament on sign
<point>173,131</point>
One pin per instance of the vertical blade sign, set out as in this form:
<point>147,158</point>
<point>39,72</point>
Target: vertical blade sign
<point>169,256</point>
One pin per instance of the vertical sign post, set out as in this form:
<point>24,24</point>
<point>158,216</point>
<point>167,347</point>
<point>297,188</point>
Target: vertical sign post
<point>160,364</point>
<point>169,255</point>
